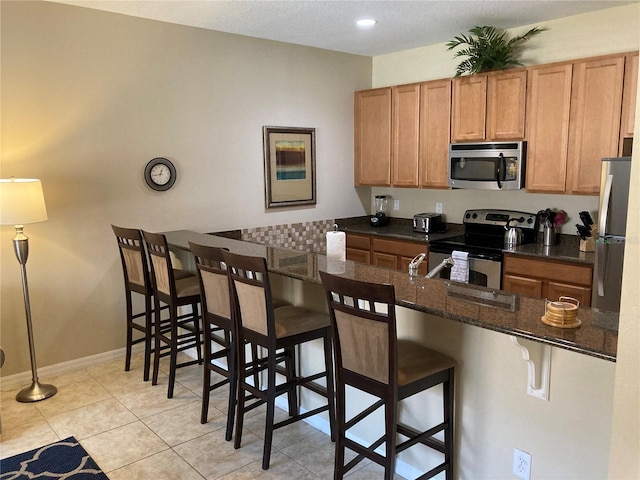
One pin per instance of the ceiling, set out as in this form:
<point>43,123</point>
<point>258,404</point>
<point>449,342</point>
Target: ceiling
<point>330,24</point>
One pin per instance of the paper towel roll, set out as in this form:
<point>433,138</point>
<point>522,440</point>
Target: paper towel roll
<point>337,246</point>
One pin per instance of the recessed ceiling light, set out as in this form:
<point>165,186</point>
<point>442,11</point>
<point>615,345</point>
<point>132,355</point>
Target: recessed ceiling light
<point>366,22</point>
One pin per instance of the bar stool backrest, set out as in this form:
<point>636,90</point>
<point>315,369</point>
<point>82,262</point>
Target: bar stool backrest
<point>251,291</point>
<point>364,331</point>
<point>134,259</point>
<point>162,274</point>
<point>214,280</point>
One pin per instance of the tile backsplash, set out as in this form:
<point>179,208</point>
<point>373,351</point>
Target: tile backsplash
<point>306,236</point>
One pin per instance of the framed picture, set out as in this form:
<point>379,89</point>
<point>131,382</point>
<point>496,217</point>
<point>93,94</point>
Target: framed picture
<point>289,166</point>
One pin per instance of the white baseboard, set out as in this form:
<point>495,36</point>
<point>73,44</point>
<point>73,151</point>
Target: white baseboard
<point>24,378</point>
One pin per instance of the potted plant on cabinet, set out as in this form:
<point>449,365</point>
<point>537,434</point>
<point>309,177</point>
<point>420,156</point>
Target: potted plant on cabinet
<point>487,49</point>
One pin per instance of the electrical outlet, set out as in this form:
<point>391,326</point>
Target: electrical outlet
<point>521,464</point>
<point>396,204</point>
<point>438,208</point>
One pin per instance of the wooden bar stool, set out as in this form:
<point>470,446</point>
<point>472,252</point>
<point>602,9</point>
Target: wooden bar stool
<point>218,329</point>
<point>181,332</point>
<point>371,359</point>
<point>137,279</point>
<point>277,332</point>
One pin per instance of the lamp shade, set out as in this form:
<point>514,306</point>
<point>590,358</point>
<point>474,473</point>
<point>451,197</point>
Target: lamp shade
<point>21,201</point>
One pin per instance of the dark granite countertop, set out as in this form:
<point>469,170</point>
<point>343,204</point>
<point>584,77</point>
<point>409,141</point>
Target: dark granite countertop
<point>502,312</point>
<point>566,249</point>
<point>398,228</point>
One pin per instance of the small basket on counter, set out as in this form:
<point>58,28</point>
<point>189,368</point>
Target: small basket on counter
<point>562,313</point>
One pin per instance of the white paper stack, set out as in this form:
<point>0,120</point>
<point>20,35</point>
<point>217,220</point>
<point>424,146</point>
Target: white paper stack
<point>336,251</point>
<point>460,269</point>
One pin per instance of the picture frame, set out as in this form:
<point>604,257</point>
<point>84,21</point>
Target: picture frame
<point>289,166</point>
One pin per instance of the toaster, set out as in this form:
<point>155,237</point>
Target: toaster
<point>428,223</point>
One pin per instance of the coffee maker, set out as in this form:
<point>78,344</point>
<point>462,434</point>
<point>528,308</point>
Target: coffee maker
<point>380,218</point>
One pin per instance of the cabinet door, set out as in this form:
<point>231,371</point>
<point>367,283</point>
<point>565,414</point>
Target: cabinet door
<point>469,108</point>
<point>385,260</point>
<point>522,285</point>
<point>372,115</point>
<point>629,98</point>
<point>596,106</point>
<point>555,290</point>
<point>506,100</point>
<point>406,122</point>
<point>357,255</point>
<point>435,121</point>
<point>547,125</point>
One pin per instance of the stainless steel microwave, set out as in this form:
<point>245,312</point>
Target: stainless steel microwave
<point>487,165</point>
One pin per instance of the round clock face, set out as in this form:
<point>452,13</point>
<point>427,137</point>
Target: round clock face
<point>160,174</point>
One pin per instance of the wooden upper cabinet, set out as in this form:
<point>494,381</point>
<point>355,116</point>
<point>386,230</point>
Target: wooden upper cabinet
<point>629,98</point>
<point>506,102</point>
<point>596,107</point>
<point>406,132</point>
<point>435,119</point>
<point>372,115</point>
<point>548,110</point>
<point>468,114</point>
<point>489,106</point>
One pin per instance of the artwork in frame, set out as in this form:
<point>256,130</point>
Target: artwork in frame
<point>289,166</point>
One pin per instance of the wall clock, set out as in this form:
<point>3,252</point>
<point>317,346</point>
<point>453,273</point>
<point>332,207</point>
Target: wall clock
<point>160,174</point>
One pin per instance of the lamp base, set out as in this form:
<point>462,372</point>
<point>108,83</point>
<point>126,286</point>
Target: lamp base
<point>36,392</point>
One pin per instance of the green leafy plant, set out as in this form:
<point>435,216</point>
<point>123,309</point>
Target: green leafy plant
<point>487,49</point>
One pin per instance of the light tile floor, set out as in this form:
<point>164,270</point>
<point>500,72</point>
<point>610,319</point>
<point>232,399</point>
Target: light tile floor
<point>133,431</point>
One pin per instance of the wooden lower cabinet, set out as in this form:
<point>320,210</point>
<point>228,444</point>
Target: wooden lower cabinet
<point>358,248</point>
<point>547,278</point>
<point>383,252</point>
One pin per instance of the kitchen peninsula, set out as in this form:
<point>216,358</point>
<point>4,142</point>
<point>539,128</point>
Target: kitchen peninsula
<point>502,312</point>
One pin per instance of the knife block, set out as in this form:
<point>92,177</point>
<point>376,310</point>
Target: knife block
<point>589,245</point>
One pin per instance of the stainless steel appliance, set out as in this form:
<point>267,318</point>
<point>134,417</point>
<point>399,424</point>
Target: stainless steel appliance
<point>612,222</point>
<point>484,242</point>
<point>428,223</point>
<point>487,165</point>
<point>380,219</point>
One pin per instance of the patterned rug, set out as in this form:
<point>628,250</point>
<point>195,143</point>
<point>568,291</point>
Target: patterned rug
<point>65,459</point>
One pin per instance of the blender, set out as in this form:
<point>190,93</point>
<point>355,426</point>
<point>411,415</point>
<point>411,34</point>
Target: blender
<point>380,218</point>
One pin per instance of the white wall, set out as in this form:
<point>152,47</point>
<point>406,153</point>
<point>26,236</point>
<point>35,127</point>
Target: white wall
<point>598,33</point>
<point>89,97</point>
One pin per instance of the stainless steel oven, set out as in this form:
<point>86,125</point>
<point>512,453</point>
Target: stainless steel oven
<point>483,242</point>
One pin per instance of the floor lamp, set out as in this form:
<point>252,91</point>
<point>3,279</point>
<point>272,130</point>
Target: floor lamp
<point>22,202</point>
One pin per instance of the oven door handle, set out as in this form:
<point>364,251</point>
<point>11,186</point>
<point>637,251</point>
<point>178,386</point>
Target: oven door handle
<point>501,170</point>
<point>489,257</point>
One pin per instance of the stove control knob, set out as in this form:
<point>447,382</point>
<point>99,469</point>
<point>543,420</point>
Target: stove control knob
<point>475,215</point>
<point>529,220</point>
<point>468,215</point>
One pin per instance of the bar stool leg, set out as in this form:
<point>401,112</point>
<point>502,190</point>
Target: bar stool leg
<point>271,406</point>
<point>148,336</point>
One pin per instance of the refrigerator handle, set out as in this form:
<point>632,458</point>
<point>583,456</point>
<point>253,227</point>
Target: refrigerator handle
<point>601,251</point>
<point>604,206</point>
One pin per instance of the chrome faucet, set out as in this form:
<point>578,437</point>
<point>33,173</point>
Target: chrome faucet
<point>446,263</point>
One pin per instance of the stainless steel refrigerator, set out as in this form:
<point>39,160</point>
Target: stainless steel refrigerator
<point>610,243</point>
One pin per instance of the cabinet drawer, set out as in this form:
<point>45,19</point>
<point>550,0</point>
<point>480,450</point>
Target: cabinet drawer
<point>548,269</point>
<point>396,247</point>
<point>362,242</point>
